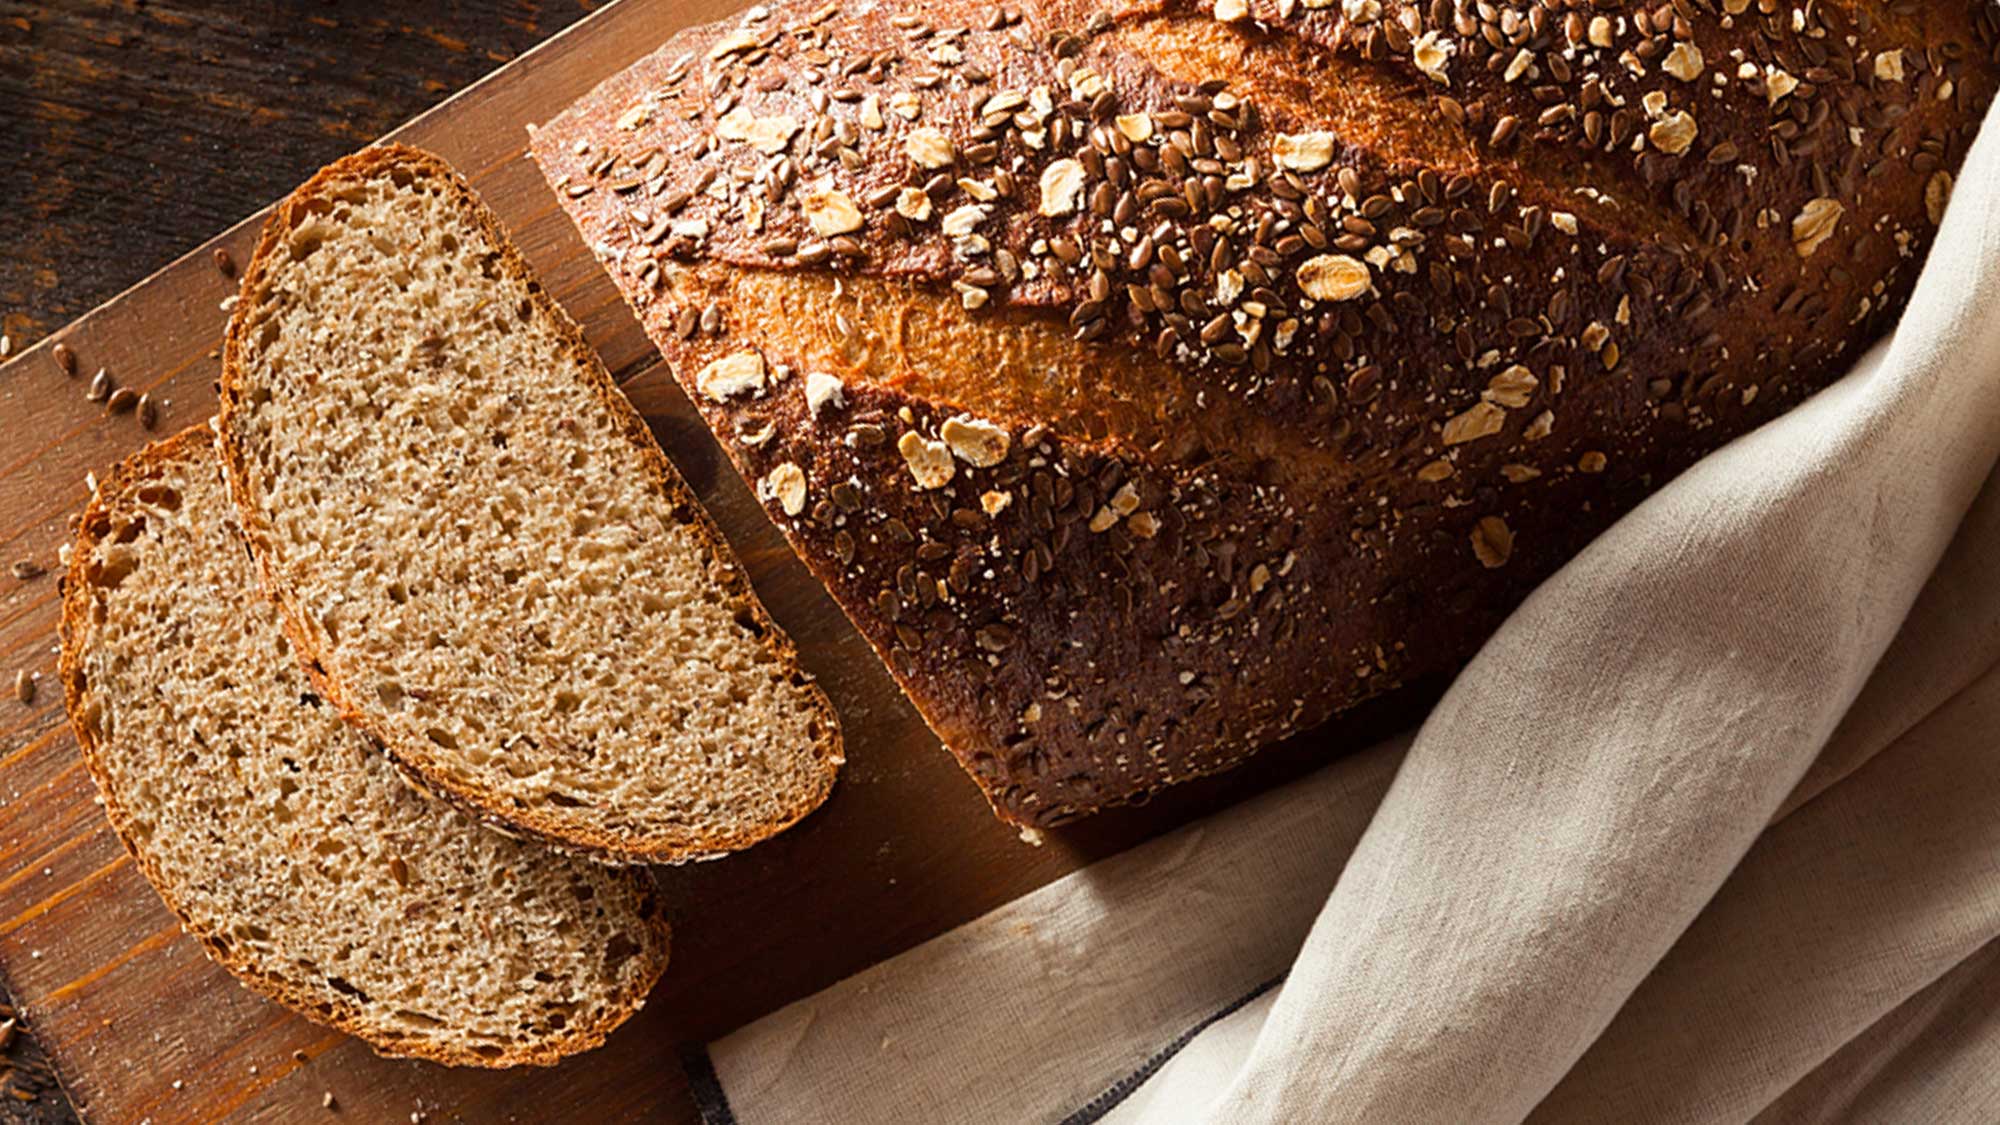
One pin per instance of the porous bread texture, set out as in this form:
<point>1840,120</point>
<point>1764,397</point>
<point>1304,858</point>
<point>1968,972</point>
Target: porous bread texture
<point>480,548</point>
<point>294,853</point>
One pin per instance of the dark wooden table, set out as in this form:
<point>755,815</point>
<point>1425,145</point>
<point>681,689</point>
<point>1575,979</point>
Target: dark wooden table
<point>123,126</point>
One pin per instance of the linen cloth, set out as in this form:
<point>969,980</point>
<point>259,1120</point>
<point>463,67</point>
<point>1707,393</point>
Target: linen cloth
<point>1681,843</point>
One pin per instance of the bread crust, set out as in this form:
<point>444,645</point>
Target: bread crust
<point>197,443</point>
<point>605,847</point>
<point>1580,251</point>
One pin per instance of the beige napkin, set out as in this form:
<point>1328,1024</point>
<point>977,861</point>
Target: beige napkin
<point>1673,847</point>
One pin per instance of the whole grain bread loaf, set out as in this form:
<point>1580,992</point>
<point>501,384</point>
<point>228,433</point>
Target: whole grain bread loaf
<point>1152,379</point>
<point>291,850</point>
<point>478,548</point>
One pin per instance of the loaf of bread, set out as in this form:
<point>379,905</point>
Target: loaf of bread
<point>1150,380</point>
<point>289,849</point>
<point>477,546</point>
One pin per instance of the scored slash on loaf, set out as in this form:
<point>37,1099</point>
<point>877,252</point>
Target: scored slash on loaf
<point>477,546</point>
<point>291,850</point>
<point>1314,335</point>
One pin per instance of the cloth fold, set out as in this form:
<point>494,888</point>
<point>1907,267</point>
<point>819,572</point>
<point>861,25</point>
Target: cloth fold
<point>1680,839</point>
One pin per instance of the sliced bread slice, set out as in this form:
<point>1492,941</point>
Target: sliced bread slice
<point>478,546</point>
<point>293,852</point>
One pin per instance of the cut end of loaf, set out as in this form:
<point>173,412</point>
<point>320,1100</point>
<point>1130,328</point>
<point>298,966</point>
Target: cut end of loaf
<point>476,538</point>
<point>289,849</point>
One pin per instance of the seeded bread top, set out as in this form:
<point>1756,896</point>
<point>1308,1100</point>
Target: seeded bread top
<point>1277,196</point>
<point>291,850</point>
<point>1165,375</point>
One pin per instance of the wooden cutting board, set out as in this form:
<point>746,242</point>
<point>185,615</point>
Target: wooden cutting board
<point>141,1026</point>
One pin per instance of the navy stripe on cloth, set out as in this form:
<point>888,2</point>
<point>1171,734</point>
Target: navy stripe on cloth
<point>1104,1103</point>
<point>710,1100</point>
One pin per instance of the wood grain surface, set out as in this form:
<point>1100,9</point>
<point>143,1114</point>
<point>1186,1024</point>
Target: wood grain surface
<point>122,124</point>
<point>134,130</point>
<point>140,1026</point>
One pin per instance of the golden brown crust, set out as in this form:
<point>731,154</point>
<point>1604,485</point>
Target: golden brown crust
<point>600,845</point>
<point>197,443</point>
<point>1452,286</point>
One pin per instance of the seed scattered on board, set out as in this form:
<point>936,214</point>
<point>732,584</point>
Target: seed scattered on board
<point>24,686</point>
<point>65,359</point>
<point>25,569</point>
<point>121,400</point>
<point>224,264</point>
